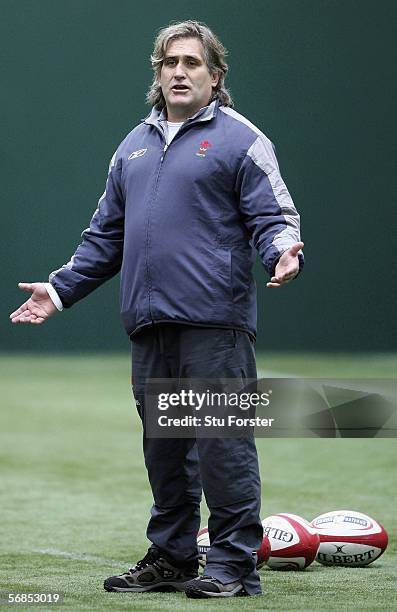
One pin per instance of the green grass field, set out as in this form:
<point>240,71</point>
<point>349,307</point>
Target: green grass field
<point>75,498</point>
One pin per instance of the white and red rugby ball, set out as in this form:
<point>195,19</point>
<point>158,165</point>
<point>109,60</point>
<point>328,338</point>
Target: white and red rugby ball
<point>203,544</point>
<point>264,552</point>
<point>293,541</point>
<point>349,538</point>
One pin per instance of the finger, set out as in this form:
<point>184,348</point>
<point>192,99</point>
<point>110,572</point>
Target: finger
<point>294,250</point>
<point>285,278</point>
<point>282,278</point>
<point>26,287</point>
<point>279,281</point>
<point>19,310</point>
<point>30,315</point>
<point>22,313</point>
<point>21,319</point>
<point>273,285</point>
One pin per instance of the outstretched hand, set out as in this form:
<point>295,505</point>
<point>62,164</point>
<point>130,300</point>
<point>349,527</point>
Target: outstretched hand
<point>37,309</point>
<point>287,266</point>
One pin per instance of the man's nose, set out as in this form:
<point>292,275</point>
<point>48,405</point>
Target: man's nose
<point>179,71</point>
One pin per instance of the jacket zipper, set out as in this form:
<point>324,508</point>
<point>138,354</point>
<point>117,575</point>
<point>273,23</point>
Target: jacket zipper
<point>152,200</point>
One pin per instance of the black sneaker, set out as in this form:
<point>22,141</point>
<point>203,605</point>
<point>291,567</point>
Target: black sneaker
<point>206,586</point>
<point>152,573</point>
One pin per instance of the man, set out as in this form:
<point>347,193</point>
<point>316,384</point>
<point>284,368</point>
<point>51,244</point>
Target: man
<point>190,193</point>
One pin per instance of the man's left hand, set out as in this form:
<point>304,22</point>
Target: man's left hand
<point>287,266</point>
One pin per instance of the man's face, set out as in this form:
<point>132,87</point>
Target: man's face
<point>185,80</point>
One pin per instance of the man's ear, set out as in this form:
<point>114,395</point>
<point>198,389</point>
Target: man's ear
<point>215,76</point>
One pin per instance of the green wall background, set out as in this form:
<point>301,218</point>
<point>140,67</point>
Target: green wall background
<point>317,76</point>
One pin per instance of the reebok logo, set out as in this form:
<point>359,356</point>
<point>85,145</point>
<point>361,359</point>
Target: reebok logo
<point>138,153</point>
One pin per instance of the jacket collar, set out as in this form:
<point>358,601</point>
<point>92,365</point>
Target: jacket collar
<point>158,116</point>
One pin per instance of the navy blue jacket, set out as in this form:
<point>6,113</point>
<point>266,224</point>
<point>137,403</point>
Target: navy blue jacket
<point>182,223</point>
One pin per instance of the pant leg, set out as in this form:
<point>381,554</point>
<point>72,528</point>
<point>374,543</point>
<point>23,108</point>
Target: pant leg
<point>228,466</point>
<point>172,464</point>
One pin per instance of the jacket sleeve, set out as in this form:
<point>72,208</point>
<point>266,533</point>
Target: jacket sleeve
<point>99,255</point>
<point>266,205</point>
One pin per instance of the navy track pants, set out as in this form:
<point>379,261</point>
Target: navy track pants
<point>225,469</point>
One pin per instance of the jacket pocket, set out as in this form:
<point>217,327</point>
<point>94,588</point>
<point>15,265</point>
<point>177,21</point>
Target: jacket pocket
<point>221,276</point>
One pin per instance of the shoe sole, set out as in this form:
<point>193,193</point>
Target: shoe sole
<point>196,593</point>
<point>162,587</point>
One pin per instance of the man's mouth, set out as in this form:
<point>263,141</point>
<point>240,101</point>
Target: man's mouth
<point>180,88</point>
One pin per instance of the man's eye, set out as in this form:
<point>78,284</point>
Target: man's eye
<point>170,62</point>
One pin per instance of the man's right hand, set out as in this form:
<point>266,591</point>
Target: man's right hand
<point>37,309</point>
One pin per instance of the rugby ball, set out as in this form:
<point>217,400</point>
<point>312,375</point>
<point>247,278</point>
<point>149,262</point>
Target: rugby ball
<point>264,552</point>
<point>203,545</point>
<point>349,538</point>
<point>293,541</point>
